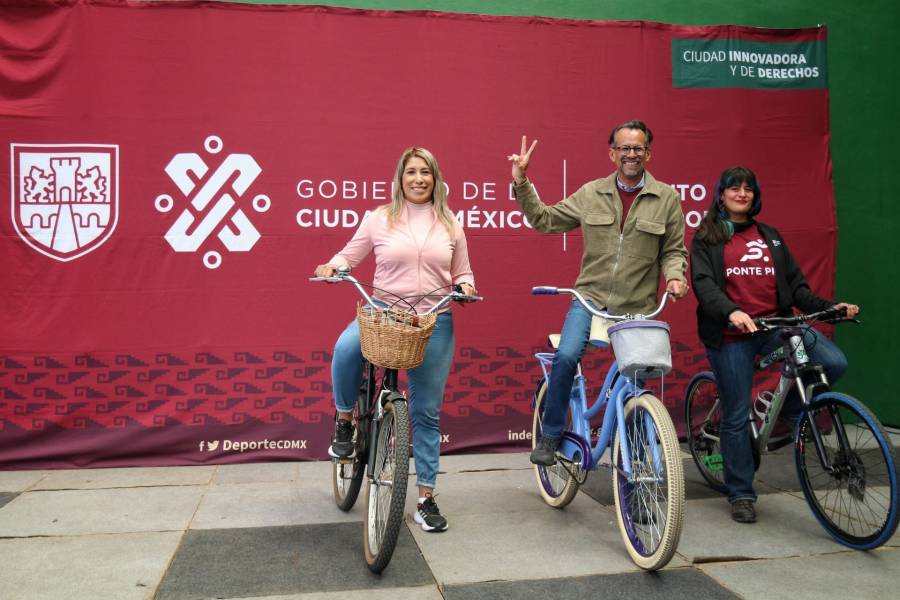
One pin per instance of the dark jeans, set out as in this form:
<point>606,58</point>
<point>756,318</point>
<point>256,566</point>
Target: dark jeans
<point>732,364</point>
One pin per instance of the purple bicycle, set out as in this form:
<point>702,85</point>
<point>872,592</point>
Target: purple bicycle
<point>648,477</point>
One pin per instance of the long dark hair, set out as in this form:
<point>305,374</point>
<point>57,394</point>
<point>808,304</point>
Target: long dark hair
<point>716,227</point>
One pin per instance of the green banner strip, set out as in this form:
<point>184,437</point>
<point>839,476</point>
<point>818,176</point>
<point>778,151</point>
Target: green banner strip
<point>733,63</point>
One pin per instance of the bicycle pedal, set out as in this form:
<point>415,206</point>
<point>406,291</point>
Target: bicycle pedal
<point>343,461</point>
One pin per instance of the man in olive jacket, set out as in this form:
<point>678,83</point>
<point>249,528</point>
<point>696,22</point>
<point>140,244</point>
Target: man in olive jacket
<point>633,229</point>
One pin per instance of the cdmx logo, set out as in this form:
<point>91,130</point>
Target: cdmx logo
<point>212,206</point>
<point>65,197</point>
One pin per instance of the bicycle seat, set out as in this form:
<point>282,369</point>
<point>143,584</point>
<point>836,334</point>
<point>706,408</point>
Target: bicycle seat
<point>598,335</point>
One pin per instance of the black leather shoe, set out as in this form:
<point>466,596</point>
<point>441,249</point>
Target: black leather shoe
<point>545,452</point>
<point>742,511</point>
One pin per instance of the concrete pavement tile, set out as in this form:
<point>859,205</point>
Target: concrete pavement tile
<point>6,498</point>
<point>785,527</point>
<point>78,512</point>
<point>454,463</point>
<point>257,472</point>
<point>663,585</point>
<point>839,576</point>
<point>271,504</point>
<point>19,481</point>
<point>583,539</point>
<point>778,470</point>
<point>248,505</point>
<point>484,492</point>
<point>317,469</point>
<point>264,561</point>
<point>86,479</point>
<point>429,592</point>
<point>95,567</point>
<point>598,486</point>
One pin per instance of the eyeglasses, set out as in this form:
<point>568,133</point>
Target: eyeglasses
<point>638,150</point>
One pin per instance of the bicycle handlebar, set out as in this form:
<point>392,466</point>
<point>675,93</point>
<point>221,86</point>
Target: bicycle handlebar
<point>343,275</point>
<point>549,290</point>
<point>829,315</point>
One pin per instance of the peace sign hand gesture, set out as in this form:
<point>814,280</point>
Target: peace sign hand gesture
<point>520,161</point>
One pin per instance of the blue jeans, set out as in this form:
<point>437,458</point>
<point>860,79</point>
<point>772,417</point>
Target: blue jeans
<point>426,390</point>
<point>573,339</point>
<point>732,364</point>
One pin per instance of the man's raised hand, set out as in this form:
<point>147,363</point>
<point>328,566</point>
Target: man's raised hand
<point>520,161</point>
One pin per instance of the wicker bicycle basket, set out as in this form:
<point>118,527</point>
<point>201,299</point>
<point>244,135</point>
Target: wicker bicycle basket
<point>392,338</point>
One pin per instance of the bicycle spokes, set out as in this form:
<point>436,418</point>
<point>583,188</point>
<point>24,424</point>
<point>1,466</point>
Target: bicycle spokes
<point>646,484</point>
<point>649,498</point>
<point>847,471</point>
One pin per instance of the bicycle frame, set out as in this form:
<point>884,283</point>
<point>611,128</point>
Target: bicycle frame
<point>795,372</point>
<point>576,442</point>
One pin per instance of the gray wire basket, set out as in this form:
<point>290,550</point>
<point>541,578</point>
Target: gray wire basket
<point>642,348</point>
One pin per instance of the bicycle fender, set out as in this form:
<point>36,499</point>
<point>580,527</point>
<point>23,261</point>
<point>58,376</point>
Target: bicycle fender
<point>392,397</point>
<point>701,375</point>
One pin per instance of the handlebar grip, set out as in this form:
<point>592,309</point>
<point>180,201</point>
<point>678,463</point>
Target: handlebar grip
<point>544,290</point>
<point>839,312</point>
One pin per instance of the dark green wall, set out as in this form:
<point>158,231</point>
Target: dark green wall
<point>862,49</point>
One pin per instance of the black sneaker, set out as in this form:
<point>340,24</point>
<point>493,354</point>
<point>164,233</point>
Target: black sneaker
<point>743,511</point>
<point>428,515</point>
<point>545,452</point>
<point>342,444</point>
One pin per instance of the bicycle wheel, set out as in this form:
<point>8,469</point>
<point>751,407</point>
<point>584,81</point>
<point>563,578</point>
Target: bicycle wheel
<point>702,418</point>
<point>856,499</point>
<point>556,483</point>
<point>702,415</point>
<point>347,475</point>
<point>386,491</point>
<point>650,503</point>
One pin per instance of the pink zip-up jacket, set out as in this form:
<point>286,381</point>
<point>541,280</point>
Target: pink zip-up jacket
<point>416,256</point>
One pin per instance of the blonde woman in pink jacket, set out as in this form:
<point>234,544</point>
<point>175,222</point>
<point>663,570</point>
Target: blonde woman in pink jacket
<point>419,249</point>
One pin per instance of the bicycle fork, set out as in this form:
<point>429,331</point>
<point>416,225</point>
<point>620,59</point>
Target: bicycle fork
<point>845,464</point>
<point>621,392</point>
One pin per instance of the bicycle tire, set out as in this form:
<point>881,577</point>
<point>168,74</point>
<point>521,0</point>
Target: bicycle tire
<point>650,511</point>
<point>856,503</point>
<point>557,485</point>
<point>386,490</point>
<point>702,416</point>
<point>347,476</point>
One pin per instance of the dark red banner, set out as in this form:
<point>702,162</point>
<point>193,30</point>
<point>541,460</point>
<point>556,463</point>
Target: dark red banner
<point>175,171</point>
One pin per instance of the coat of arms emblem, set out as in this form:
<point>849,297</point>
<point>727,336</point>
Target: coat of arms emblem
<point>65,198</point>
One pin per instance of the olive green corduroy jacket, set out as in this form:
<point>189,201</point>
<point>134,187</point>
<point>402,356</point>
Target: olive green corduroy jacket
<point>620,266</point>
